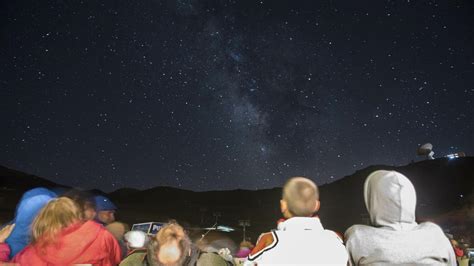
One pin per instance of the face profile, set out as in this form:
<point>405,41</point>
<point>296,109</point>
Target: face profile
<point>106,217</point>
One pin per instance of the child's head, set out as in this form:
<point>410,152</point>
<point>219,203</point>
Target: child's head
<point>300,198</point>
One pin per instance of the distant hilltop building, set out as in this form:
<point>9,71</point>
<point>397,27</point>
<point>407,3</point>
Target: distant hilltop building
<point>427,150</point>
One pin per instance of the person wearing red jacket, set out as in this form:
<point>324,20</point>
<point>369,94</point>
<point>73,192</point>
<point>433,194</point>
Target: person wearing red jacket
<point>60,236</point>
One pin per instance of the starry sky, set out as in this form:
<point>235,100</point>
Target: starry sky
<point>226,94</point>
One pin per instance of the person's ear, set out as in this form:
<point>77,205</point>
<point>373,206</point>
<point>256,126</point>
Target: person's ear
<point>316,206</point>
<point>283,206</point>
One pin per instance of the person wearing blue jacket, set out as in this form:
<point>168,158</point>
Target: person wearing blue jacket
<point>29,206</point>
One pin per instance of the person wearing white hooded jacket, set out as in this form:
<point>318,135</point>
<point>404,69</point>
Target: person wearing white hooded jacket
<point>394,237</point>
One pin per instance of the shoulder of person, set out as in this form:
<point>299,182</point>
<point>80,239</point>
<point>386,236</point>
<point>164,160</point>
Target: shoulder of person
<point>26,256</point>
<point>335,235</point>
<point>358,230</point>
<point>265,242</point>
<point>211,258</point>
<point>433,229</point>
<point>430,225</point>
<point>102,231</point>
<point>136,257</point>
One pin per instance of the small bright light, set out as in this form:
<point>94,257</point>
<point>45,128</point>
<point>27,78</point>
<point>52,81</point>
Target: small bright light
<point>452,156</point>
<point>225,228</point>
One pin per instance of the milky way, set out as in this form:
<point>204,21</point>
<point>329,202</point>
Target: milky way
<point>209,95</point>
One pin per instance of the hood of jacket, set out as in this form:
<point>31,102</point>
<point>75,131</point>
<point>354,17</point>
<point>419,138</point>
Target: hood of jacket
<point>390,199</point>
<point>75,242</point>
<point>29,206</point>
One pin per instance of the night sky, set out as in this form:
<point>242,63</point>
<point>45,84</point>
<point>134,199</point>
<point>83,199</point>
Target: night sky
<point>211,95</point>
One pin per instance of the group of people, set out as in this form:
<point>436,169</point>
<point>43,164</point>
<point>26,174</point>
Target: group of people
<point>64,230</point>
<point>73,229</point>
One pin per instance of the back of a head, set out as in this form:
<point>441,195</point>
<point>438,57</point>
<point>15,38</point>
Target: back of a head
<point>58,214</point>
<point>170,247</point>
<point>85,200</point>
<point>390,199</point>
<point>301,196</point>
<point>117,229</point>
<point>31,203</point>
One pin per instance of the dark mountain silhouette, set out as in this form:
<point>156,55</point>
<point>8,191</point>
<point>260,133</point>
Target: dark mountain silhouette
<point>20,181</point>
<point>13,184</point>
<point>443,187</point>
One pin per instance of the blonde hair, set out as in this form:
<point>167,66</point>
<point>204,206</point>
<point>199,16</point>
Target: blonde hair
<point>301,195</point>
<point>58,214</point>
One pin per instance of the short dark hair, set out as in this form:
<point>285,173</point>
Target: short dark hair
<point>84,199</point>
